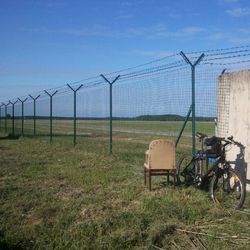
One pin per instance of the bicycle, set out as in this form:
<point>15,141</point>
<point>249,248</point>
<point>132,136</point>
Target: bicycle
<point>226,184</point>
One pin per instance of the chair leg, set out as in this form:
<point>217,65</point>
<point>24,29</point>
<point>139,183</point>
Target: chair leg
<point>168,178</point>
<point>174,180</point>
<point>145,176</point>
<point>149,180</point>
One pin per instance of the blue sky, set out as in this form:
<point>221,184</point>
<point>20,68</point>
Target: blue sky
<point>47,43</point>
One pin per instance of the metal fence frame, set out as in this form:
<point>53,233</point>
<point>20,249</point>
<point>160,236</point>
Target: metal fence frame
<point>191,111</point>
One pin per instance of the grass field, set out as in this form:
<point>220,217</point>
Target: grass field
<point>121,128</point>
<point>59,197</point>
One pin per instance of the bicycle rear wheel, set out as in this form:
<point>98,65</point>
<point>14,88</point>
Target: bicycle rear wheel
<point>186,170</point>
<point>228,189</point>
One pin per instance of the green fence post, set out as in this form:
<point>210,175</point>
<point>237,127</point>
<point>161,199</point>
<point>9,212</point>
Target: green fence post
<point>193,65</point>
<point>23,101</point>
<point>74,91</point>
<point>1,116</point>
<point>110,110</point>
<point>8,116</point>
<point>51,111</point>
<point>34,100</point>
<point>13,116</point>
<point>5,105</point>
<point>184,125</point>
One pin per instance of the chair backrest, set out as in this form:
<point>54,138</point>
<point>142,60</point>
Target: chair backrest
<point>162,154</point>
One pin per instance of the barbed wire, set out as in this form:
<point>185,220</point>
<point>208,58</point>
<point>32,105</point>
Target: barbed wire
<point>232,56</point>
<point>227,63</point>
<point>226,57</point>
<point>154,69</point>
<point>216,50</point>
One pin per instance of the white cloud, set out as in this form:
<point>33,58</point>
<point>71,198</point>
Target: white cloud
<point>238,37</point>
<point>174,15</point>
<point>151,53</point>
<point>126,3</point>
<point>238,12</point>
<point>244,31</point>
<point>131,3</point>
<point>125,16</point>
<point>240,40</point>
<point>228,2</point>
<point>157,31</point>
<point>56,4</point>
<point>218,36</point>
<point>231,1</point>
<point>49,3</point>
<point>161,31</point>
<point>193,30</point>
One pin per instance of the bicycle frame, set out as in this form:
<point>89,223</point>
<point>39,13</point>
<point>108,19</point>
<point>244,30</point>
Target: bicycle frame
<point>201,156</point>
<point>215,168</point>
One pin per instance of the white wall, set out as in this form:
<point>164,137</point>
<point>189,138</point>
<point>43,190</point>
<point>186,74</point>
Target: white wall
<point>233,112</point>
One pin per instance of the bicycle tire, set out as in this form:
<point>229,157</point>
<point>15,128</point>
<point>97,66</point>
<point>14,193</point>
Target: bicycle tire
<point>185,170</point>
<point>228,189</point>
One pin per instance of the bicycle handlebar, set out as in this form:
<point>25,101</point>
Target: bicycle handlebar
<point>201,135</point>
<point>228,140</point>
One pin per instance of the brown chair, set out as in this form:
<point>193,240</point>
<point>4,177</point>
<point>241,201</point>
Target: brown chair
<point>160,160</point>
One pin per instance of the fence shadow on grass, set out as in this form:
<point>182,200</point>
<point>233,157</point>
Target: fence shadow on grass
<point>6,245</point>
<point>10,137</point>
<point>64,135</point>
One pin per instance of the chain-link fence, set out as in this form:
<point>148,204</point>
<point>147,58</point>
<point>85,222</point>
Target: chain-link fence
<point>172,97</point>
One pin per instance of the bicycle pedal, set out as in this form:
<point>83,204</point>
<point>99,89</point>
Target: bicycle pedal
<point>198,184</point>
<point>198,181</point>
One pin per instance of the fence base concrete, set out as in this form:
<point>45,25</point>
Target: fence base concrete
<point>234,117</point>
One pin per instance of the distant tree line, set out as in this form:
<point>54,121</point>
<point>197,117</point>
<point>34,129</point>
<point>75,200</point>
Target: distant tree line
<point>168,117</point>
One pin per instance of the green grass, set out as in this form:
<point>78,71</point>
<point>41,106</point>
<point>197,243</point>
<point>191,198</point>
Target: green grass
<point>60,197</point>
<point>90,126</point>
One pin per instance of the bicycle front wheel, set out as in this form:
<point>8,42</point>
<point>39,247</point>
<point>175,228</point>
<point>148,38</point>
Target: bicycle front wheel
<point>228,189</point>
